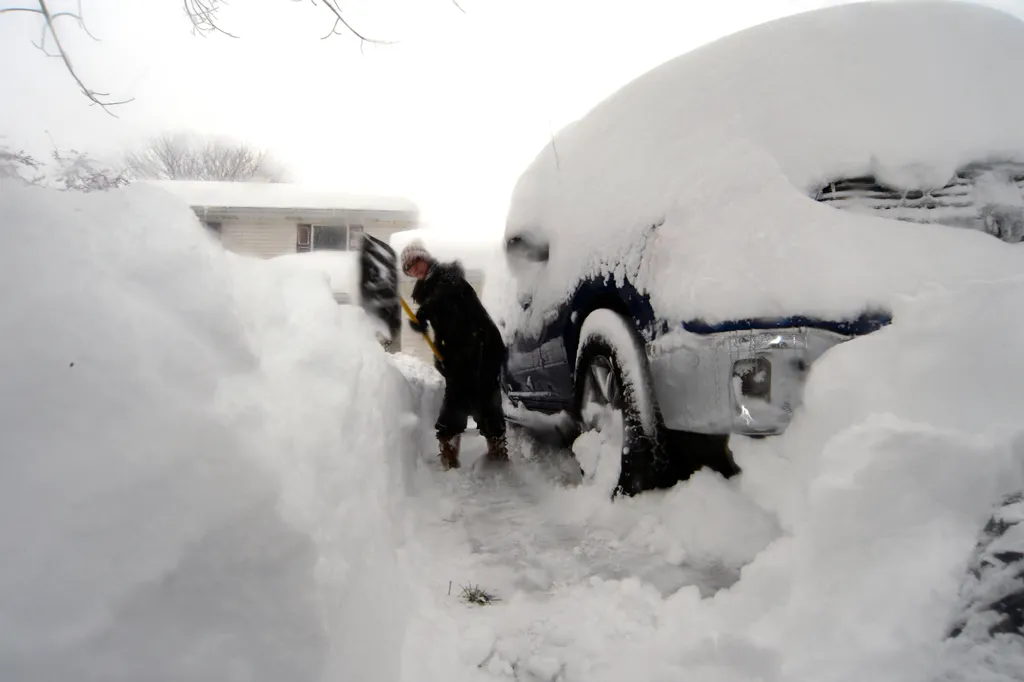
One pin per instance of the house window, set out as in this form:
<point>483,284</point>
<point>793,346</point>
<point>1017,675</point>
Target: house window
<point>355,233</point>
<point>329,238</point>
<point>303,238</point>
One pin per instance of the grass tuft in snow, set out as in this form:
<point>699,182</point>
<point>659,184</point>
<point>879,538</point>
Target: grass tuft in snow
<point>474,594</point>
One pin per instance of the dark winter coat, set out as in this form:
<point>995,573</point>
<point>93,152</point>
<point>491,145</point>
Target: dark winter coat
<point>467,338</point>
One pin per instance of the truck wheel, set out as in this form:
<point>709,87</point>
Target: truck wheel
<point>618,447</point>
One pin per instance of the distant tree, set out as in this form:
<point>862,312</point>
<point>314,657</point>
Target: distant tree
<point>187,156</point>
<point>201,13</point>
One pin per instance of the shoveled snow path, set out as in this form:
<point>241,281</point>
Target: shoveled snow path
<point>521,534</point>
<point>568,567</point>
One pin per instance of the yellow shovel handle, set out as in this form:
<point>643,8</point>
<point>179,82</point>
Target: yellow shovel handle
<point>426,337</point>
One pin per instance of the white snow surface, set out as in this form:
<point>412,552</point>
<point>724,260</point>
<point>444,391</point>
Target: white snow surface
<point>200,456</point>
<point>339,268</point>
<point>722,149</point>
<point>277,195</point>
<point>212,471</point>
<point>850,535</point>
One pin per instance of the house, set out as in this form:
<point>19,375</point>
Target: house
<point>273,219</point>
<point>280,220</point>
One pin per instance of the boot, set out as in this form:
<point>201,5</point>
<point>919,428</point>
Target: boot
<point>449,452</point>
<point>497,449</point>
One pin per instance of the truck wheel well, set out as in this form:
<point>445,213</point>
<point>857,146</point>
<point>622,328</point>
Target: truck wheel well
<point>572,334</point>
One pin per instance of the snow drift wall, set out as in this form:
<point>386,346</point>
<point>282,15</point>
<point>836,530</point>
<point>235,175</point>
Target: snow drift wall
<point>199,456</point>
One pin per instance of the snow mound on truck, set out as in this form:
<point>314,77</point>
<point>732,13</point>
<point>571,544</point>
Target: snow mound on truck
<point>697,180</point>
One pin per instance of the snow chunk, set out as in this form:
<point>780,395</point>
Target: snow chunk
<point>339,268</point>
<point>426,386</point>
<point>543,668</point>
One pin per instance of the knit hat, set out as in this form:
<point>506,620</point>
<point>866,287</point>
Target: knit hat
<point>414,251</point>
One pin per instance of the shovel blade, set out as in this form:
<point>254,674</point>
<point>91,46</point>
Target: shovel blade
<point>378,284</point>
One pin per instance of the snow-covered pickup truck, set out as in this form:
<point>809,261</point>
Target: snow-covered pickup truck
<point>687,250</point>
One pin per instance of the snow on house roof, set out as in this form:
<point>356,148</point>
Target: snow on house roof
<point>697,180</point>
<point>278,196</point>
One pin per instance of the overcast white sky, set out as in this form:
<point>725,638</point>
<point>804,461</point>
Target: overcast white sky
<point>450,115</point>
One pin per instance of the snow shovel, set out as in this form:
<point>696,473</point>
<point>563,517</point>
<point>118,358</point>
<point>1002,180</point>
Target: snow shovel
<point>426,337</point>
<point>378,283</point>
<point>378,287</point>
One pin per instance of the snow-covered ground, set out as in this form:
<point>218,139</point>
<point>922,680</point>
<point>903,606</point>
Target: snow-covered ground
<point>212,471</point>
<point>838,554</point>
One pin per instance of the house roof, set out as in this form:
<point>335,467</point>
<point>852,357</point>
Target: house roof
<point>278,196</point>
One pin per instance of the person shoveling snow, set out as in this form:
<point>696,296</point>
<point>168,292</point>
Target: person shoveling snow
<point>470,348</point>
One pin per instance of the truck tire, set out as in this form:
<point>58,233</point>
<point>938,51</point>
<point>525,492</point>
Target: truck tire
<point>612,376</point>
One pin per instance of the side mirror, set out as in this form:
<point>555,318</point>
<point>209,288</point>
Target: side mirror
<point>523,248</point>
<point>378,283</point>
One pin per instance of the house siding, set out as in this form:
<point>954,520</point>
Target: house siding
<point>270,238</point>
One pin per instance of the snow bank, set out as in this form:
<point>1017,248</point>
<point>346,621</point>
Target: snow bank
<point>695,180</point>
<point>427,387</point>
<point>909,438</point>
<point>340,270</point>
<point>199,472</point>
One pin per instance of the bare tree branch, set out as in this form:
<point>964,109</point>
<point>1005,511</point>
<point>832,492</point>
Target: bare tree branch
<point>203,14</point>
<point>32,10</point>
<point>339,20</point>
<point>78,17</point>
<point>93,95</point>
<point>49,29</point>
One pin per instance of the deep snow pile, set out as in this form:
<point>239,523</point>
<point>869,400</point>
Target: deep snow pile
<point>852,533</point>
<point>199,466</point>
<point>910,437</point>
<point>339,268</point>
<point>694,181</point>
